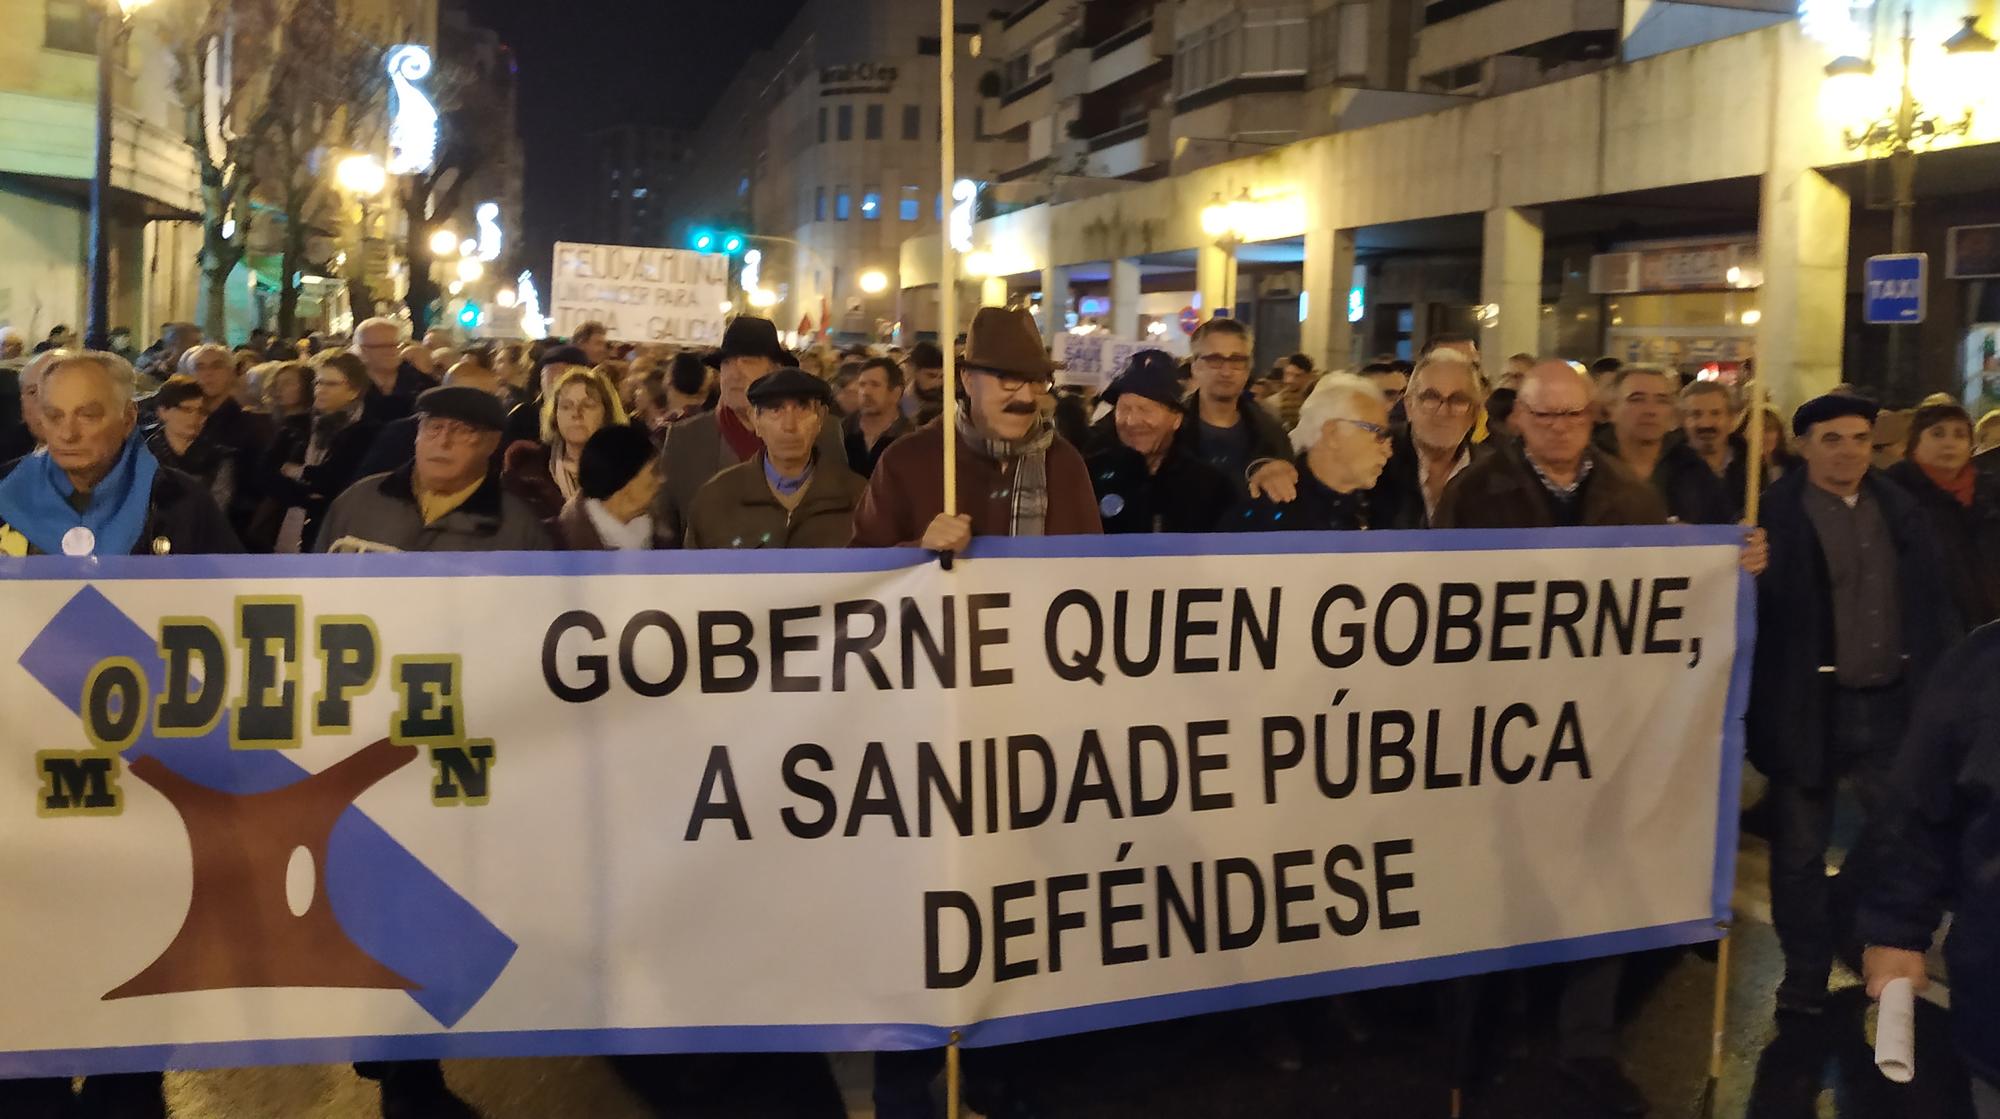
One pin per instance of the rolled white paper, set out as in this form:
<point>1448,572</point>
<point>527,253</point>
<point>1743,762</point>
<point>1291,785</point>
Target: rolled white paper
<point>1896,1032</point>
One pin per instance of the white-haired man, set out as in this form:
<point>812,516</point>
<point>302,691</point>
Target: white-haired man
<point>1342,440</point>
<point>397,384</point>
<point>1443,401</point>
<point>236,431</point>
<point>98,491</point>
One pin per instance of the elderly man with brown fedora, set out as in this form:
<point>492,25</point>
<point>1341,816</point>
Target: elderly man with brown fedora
<point>704,445</point>
<point>1015,476</point>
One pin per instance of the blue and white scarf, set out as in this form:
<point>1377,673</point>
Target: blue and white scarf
<point>34,501</point>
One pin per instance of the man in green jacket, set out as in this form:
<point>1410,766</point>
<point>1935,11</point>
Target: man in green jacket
<point>788,495</point>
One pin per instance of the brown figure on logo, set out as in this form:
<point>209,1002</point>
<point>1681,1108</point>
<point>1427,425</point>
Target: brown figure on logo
<point>240,930</point>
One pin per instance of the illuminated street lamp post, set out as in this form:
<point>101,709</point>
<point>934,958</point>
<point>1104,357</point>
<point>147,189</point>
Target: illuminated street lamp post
<point>362,177</point>
<point>1895,135</point>
<point>111,30</point>
<point>1226,222</point>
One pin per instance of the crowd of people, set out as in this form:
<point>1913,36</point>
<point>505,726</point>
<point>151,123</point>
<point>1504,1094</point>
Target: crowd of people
<point>1876,549</point>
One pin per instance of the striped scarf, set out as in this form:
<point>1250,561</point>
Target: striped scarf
<point>1031,470</point>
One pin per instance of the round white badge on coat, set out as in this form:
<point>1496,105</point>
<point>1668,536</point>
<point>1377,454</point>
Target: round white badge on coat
<point>79,541</point>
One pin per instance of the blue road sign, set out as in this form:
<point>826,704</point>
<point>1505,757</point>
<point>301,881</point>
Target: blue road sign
<point>1894,287</point>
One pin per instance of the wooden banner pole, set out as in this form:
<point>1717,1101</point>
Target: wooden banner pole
<point>1753,470</point>
<point>948,264</point>
<point>953,1097</point>
<point>1719,1023</point>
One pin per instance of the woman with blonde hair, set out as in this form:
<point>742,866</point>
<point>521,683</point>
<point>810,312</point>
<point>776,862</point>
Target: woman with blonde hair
<point>544,473</point>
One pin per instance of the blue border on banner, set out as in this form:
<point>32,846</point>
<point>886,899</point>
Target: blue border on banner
<point>861,1037</point>
<point>837,1038</point>
<point>749,561</point>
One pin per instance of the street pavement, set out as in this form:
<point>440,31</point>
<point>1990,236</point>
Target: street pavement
<point>1378,1054</point>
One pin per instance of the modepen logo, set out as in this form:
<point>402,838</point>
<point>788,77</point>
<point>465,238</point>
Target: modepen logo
<point>208,731</point>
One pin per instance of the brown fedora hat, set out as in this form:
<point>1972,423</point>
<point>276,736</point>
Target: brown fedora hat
<point>1006,341</point>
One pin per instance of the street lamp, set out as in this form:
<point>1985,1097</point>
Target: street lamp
<point>110,32</point>
<point>444,243</point>
<point>1896,134</point>
<point>874,282</point>
<point>470,269</point>
<point>363,177</point>
<point>1227,222</point>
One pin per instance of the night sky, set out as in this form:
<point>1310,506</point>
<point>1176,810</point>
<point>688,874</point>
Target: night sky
<point>589,64</point>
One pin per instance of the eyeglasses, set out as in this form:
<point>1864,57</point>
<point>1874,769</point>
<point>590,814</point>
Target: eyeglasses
<point>1380,432</point>
<point>1553,418</point>
<point>1454,405</point>
<point>1014,382</point>
<point>1223,361</point>
<point>448,430</point>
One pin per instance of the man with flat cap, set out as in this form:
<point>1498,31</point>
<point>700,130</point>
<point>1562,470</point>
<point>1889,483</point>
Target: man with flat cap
<point>1852,613</point>
<point>702,446</point>
<point>1146,479</point>
<point>788,494</point>
<point>1016,477</point>
<point>447,498</point>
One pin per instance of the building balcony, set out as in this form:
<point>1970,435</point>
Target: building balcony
<point>1123,55</point>
<point>1016,108</point>
<point>1527,27</point>
<point>54,140</point>
<point>1030,22</point>
<point>1141,149</point>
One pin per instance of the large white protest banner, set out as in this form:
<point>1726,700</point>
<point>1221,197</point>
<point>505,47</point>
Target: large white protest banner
<point>640,294</point>
<point>297,809</point>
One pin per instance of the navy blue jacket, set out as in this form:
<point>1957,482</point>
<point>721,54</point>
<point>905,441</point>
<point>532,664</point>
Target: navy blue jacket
<point>1938,843</point>
<point>1789,694</point>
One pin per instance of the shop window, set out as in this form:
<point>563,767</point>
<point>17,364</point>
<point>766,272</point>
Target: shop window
<point>871,205</point>
<point>911,205</point>
<point>840,207</point>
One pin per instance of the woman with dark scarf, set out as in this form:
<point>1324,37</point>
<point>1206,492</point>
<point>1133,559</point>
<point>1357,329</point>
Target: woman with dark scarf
<point>1962,506</point>
<point>317,456</point>
<point>176,439</point>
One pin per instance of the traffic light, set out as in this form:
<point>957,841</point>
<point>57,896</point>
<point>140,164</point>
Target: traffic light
<point>727,241</point>
<point>470,316</point>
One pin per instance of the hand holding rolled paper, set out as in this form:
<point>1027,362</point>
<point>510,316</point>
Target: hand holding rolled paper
<point>1894,976</point>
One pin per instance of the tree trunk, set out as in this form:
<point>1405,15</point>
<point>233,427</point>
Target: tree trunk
<point>423,290</point>
<point>215,312</point>
<point>293,263</point>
